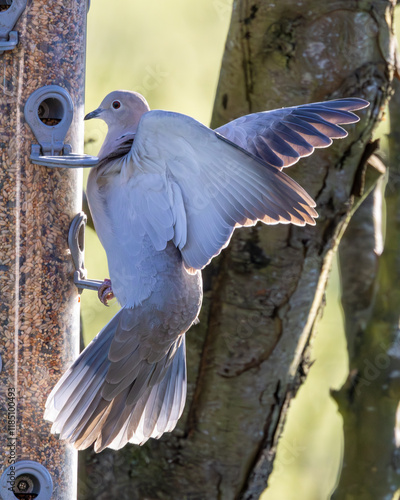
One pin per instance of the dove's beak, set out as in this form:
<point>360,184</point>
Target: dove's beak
<point>94,114</point>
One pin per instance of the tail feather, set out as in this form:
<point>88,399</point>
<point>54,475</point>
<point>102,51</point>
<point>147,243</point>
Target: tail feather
<point>117,373</point>
<point>81,407</point>
<point>115,426</point>
<point>83,412</point>
<point>150,416</point>
<point>169,395</point>
<point>84,391</point>
<point>163,405</point>
<point>75,380</point>
<point>87,433</point>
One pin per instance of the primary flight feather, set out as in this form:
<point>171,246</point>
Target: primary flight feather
<point>165,198</point>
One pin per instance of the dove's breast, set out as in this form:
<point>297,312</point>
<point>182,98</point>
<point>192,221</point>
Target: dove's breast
<point>137,269</point>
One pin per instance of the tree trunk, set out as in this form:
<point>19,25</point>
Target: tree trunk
<point>248,355</point>
<point>371,302</point>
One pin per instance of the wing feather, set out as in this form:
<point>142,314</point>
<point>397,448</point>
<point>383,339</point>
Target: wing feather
<point>302,128</point>
<point>208,184</point>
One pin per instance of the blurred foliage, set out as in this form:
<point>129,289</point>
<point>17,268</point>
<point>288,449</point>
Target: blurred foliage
<point>171,53</point>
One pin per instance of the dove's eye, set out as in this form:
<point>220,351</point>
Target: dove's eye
<point>116,104</point>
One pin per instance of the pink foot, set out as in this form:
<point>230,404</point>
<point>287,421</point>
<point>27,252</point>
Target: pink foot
<point>105,292</point>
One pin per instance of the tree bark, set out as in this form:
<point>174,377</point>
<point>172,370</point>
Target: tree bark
<point>248,355</point>
<point>371,303</point>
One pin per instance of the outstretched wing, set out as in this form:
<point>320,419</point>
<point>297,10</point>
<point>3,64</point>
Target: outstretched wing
<point>211,185</point>
<point>215,181</point>
<point>281,137</point>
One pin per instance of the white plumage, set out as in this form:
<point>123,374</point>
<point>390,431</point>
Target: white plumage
<point>165,198</point>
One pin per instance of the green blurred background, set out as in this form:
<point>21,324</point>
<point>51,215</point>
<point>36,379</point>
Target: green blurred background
<point>171,53</point>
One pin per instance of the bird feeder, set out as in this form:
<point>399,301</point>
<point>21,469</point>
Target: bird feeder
<point>42,60</point>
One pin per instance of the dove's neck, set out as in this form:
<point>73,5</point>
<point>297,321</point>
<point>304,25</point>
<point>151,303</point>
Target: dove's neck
<point>114,138</point>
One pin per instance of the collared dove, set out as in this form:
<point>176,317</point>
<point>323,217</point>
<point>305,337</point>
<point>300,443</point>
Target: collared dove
<point>165,198</point>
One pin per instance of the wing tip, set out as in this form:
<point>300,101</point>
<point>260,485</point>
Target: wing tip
<point>359,101</point>
<point>349,103</point>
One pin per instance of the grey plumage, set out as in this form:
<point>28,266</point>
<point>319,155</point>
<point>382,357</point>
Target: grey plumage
<point>281,137</point>
<point>165,198</point>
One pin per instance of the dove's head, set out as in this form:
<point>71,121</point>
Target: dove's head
<point>121,110</point>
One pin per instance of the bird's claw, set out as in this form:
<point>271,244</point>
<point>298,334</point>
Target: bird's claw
<point>105,292</point>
